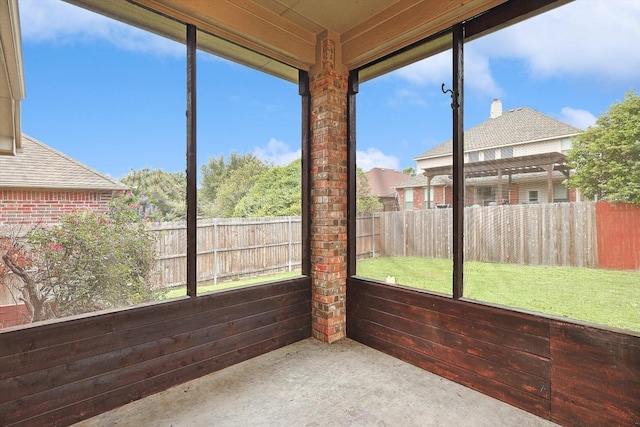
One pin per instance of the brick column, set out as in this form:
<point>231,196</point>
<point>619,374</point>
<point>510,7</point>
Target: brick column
<point>328,87</point>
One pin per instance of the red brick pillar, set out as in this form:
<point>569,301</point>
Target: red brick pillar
<point>328,87</point>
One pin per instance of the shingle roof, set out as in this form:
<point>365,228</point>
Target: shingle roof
<point>512,127</point>
<point>40,166</point>
<point>383,180</point>
<point>421,181</point>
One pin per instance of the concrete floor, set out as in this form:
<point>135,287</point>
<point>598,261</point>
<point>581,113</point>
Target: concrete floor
<point>315,384</point>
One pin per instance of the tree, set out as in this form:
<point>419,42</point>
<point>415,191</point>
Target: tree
<point>409,171</point>
<point>236,185</point>
<point>365,202</point>
<point>90,261</point>
<point>217,170</point>
<point>160,195</point>
<point>277,192</point>
<point>606,157</point>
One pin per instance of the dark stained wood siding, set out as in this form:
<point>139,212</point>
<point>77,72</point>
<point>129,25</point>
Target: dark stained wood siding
<point>596,376</point>
<point>61,372</point>
<point>569,373</point>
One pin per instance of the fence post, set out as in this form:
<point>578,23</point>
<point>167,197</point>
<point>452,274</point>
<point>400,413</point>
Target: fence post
<point>373,235</point>
<point>215,251</point>
<point>404,233</point>
<point>290,244</point>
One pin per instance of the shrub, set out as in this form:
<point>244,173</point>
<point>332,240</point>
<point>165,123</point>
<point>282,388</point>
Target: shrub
<point>90,261</point>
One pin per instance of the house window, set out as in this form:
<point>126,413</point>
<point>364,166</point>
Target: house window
<point>506,152</point>
<point>490,154</point>
<point>533,196</point>
<point>408,199</point>
<point>560,193</point>
<point>428,197</point>
<point>474,156</point>
<point>486,195</point>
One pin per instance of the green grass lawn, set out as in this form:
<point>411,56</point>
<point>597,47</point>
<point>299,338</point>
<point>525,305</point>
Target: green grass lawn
<point>600,296</point>
<point>182,290</point>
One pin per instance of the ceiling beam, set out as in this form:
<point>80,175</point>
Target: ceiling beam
<point>244,23</point>
<point>405,23</point>
<point>173,28</point>
<point>260,35</point>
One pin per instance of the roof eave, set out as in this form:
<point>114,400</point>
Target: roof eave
<point>531,141</point>
<point>431,157</point>
<point>48,187</point>
<point>12,86</point>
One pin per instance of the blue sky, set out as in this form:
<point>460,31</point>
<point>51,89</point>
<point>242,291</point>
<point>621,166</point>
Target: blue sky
<point>113,97</point>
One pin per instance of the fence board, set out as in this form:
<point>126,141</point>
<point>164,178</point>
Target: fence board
<point>368,236</point>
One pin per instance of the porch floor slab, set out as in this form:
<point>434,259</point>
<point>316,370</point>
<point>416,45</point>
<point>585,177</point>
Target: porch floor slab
<point>311,383</point>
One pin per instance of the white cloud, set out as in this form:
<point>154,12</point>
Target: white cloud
<point>431,71</point>
<point>438,69</point>
<point>60,22</point>
<point>581,119</point>
<point>478,75</point>
<point>374,158</point>
<point>592,38</point>
<point>277,152</point>
<point>585,37</point>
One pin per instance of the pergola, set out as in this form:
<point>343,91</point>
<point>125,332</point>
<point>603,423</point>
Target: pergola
<point>534,163</point>
<point>66,370</point>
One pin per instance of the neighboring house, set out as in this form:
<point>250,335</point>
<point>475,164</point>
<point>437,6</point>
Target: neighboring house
<point>382,182</point>
<point>39,184</point>
<point>413,193</point>
<point>516,156</point>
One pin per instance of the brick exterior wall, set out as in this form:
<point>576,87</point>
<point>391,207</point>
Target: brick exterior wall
<point>13,315</point>
<point>441,195</point>
<point>418,199</point>
<point>328,195</point>
<point>45,206</point>
<point>400,192</point>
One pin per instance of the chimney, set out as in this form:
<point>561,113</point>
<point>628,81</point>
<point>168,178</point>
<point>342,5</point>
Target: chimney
<point>496,108</point>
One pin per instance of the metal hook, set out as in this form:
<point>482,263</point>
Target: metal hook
<point>454,97</point>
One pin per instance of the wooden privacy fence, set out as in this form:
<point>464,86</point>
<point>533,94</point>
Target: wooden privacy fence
<point>618,236</point>
<point>229,248</point>
<point>562,234</point>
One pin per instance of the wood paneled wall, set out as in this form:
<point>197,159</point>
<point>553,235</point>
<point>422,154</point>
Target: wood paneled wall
<point>595,375</point>
<point>569,373</point>
<point>61,372</point>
